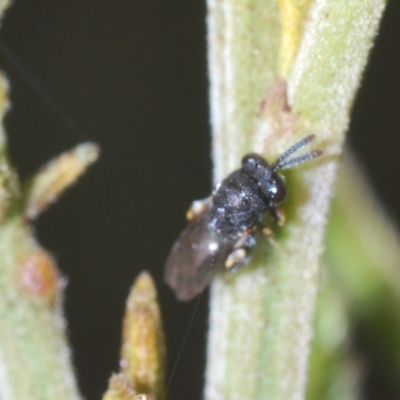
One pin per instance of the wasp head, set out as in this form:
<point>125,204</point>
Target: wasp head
<point>271,184</point>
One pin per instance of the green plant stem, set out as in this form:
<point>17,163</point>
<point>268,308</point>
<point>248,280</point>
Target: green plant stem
<point>34,355</point>
<point>261,318</point>
<point>361,288</point>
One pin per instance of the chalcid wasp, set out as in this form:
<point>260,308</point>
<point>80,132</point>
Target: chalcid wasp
<point>221,231</point>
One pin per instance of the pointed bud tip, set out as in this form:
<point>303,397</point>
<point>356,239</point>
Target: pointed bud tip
<point>143,348</point>
<point>144,290</point>
<point>87,152</point>
<point>47,185</point>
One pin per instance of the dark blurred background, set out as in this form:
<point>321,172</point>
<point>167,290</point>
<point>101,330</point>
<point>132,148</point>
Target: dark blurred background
<point>131,76</point>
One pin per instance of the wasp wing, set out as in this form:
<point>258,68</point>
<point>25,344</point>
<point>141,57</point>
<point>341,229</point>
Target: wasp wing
<point>195,258</point>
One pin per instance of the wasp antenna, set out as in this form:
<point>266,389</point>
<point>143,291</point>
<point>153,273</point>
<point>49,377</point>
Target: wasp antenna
<point>298,160</point>
<point>297,146</point>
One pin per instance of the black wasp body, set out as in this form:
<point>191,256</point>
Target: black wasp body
<point>221,232</point>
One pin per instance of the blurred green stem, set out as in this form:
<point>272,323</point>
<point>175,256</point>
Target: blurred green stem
<point>35,360</point>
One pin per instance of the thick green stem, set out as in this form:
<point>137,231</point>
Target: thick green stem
<point>35,360</point>
<point>34,355</point>
<point>261,318</point>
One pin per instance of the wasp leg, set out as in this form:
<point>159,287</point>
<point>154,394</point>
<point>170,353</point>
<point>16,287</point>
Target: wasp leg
<point>236,258</point>
<point>268,233</point>
<point>278,216</point>
<point>197,208</point>
<point>242,252</point>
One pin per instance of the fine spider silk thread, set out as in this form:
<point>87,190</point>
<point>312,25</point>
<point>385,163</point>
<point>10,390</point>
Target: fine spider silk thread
<point>39,88</point>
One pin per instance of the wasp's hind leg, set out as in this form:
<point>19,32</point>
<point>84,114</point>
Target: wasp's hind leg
<point>242,251</point>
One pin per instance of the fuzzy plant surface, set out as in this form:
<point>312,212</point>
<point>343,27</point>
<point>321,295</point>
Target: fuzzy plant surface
<point>35,357</point>
<point>35,360</point>
<point>279,70</point>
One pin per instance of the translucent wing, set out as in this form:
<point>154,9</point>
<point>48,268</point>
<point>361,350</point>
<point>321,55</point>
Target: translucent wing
<point>195,258</point>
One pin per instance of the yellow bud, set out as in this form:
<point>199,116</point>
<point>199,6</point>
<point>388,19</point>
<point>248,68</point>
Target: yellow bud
<point>143,349</point>
<point>47,185</point>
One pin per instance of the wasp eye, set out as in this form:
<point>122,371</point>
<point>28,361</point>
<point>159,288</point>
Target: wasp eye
<point>275,191</point>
